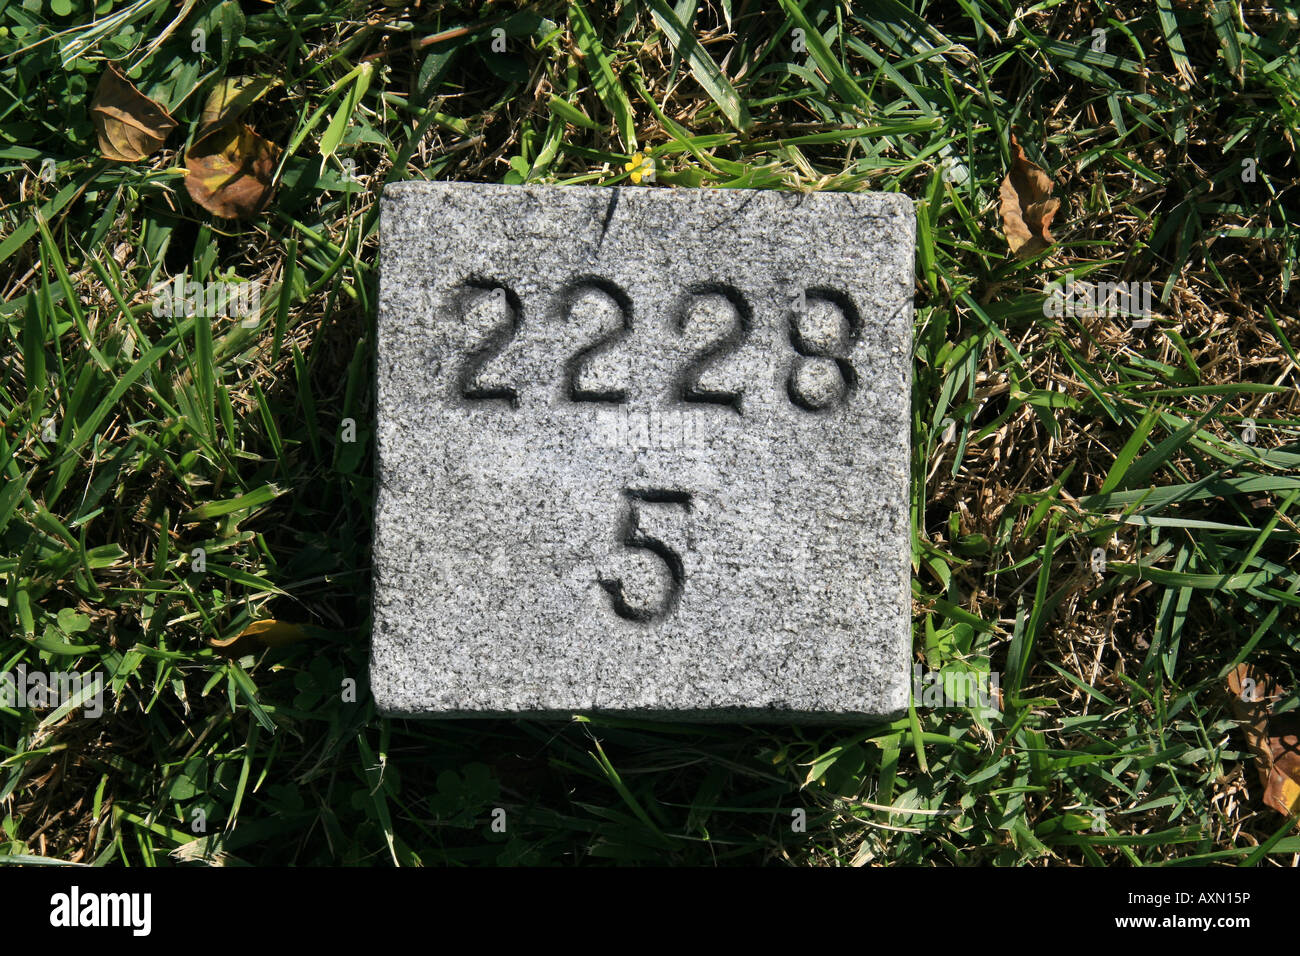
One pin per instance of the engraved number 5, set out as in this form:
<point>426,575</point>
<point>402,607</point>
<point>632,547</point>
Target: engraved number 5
<point>634,537</point>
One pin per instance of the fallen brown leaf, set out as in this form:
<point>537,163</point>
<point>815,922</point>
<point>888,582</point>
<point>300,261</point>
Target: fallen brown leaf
<point>1028,206</point>
<point>1274,739</point>
<point>231,97</point>
<point>257,635</point>
<point>1283,790</point>
<point>130,125</point>
<point>229,171</point>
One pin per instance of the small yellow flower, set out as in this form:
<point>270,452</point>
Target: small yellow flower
<point>640,167</point>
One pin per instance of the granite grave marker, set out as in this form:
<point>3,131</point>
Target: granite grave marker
<point>642,450</point>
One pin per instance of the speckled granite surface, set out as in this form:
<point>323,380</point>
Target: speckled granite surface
<point>642,450</point>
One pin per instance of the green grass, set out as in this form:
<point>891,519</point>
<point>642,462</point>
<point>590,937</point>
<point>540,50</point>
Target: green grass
<point>130,439</point>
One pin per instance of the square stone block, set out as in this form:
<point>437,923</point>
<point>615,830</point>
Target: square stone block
<point>643,451</point>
